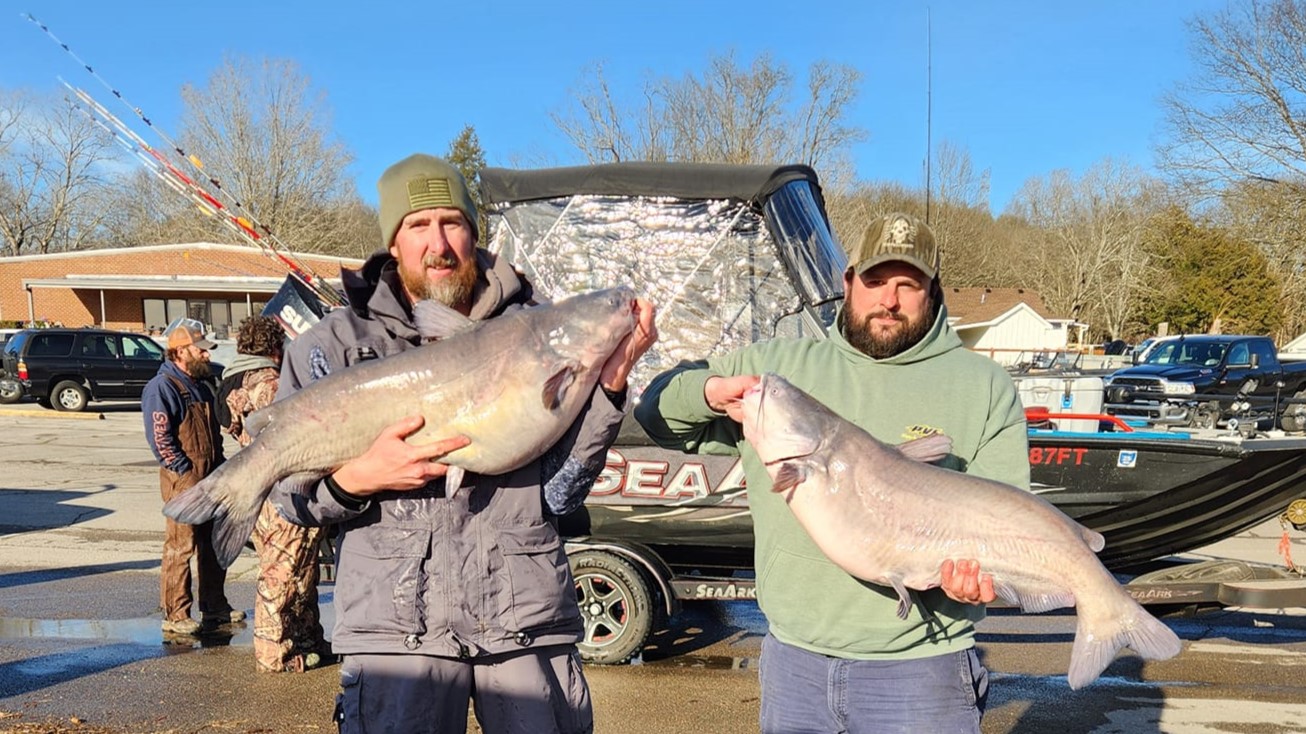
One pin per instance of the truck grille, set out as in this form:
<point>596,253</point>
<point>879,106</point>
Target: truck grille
<point>1140,384</point>
<point>1129,389</point>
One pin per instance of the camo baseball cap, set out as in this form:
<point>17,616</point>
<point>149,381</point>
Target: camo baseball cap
<point>419,182</point>
<point>896,236</point>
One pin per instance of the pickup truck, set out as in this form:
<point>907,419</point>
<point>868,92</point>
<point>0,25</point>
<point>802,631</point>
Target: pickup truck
<point>1210,380</point>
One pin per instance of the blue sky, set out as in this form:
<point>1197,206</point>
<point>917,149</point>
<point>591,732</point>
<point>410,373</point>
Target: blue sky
<point>1026,86</point>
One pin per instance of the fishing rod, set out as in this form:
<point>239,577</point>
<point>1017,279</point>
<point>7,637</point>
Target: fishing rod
<point>162,168</point>
<point>247,223</point>
<point>159,165</point>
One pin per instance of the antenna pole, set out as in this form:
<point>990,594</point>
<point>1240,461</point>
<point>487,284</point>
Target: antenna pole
<point>929,105</point>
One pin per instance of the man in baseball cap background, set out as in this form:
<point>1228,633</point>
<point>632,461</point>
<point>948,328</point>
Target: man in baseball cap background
<point>182,430</point>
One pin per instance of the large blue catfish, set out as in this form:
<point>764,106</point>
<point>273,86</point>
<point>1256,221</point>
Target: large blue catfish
<point>883,515</point>
<point>512,384</point>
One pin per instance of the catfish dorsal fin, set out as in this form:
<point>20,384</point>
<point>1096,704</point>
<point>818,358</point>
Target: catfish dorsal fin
<point>435,320</point>
<point>555,388</point>
<point>926,449</point>
<point>257,421</point>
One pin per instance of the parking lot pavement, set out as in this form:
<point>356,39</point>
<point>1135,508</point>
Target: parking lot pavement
<point>75,490</point>
<point>81,532</point>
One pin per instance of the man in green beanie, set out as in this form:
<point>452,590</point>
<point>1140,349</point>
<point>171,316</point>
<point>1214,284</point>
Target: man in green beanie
<point>445,598</point>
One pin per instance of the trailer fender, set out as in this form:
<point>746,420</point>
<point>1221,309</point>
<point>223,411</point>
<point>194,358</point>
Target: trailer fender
<point>643,557</point>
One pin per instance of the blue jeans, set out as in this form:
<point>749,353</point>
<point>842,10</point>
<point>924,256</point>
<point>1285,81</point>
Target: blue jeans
<point>808,693</point>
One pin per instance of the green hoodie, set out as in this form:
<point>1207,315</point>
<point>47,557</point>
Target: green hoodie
<point>937,385</point>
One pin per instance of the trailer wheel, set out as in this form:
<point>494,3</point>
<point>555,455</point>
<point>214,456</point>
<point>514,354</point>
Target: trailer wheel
<point>616,605</point>
<point>1296,514</point>
<point>1294,416</point>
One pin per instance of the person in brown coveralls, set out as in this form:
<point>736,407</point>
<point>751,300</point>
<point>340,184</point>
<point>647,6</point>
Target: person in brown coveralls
<point>288,634</point>
<point>182,431</point>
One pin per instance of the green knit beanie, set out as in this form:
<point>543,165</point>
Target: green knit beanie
<point>421,182</point>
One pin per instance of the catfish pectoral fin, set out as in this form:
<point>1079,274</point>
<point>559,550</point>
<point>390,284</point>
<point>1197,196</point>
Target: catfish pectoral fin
<point>555,388</point>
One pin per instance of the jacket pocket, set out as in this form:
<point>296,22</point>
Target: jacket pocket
<point>539,590</point>
<point>379,579</point>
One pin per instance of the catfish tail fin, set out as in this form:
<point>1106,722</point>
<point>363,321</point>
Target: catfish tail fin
<point>230,497</point>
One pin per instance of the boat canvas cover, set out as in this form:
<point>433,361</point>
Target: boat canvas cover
<point>751,183</point>
<point>731,255</point>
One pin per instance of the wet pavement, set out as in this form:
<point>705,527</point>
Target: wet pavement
<point>81,649</point>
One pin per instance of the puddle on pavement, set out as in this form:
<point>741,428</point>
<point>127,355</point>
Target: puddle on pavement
<point>140,631</point>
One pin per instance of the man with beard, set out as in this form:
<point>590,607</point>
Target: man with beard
<point>448,597</point>
<point>837,658</point>
<point>182,430</point>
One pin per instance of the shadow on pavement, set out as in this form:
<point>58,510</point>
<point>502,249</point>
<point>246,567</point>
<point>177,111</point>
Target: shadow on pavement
<point>21,578</point>
<point>45,509</point>
<point>1118,701</point>
<point>698,630</point>
<point>33,674</point>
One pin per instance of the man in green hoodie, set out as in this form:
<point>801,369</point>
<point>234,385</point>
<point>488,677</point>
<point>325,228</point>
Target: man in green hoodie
<point>837,658</point>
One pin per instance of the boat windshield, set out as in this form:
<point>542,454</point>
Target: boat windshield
<point>806,243</point>
<point>1197,354</point>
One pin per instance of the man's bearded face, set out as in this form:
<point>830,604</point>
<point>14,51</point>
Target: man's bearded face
<point>195,362</point>
<point>453,290</point>
<point>887,310</point>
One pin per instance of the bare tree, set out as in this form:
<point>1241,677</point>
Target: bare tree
<point>852,209</point>
<point>728,114</point>
<point>959,215</point>
<point>1085,253</point>
<point>1240,115</point>
<point>53,176</point>
<point>263,134</point>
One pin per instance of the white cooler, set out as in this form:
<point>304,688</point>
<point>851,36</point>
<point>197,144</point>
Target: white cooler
<point>1064,395</point>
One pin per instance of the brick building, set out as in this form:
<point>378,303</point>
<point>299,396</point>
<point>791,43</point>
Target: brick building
<point>140,288</point>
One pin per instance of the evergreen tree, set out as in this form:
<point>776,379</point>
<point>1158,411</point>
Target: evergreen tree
<point>467,155</point>
<point>1214,282</point>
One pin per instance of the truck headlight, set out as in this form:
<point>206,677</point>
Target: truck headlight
<point>1178,388</point>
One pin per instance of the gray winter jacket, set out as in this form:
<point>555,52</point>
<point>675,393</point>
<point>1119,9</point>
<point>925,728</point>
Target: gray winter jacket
<point>482,573</point>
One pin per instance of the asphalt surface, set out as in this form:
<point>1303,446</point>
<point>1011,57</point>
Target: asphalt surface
<point>81,649</point>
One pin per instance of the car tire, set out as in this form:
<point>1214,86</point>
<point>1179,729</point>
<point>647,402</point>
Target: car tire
<point>69,396</point>
<point>10,392</point>
<point>616,605</point>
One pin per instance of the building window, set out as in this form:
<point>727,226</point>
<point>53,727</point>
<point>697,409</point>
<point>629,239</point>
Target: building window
<point>221,317</point>
<point>176,310</point>
<point>156,314</point>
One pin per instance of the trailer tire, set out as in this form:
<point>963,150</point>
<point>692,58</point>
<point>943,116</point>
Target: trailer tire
<point>616,604</point>
<point>1293,419</point>
<point>1296,514</point>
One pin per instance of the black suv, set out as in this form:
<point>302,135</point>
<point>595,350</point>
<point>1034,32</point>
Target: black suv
<point>67,368</point>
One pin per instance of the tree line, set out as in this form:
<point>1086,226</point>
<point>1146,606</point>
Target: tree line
<point>1211,243</point>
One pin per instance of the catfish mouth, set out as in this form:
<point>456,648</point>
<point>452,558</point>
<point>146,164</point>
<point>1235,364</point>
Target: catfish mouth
<point>616,325</point>
<point>779,438</point>
<point>757,394</point>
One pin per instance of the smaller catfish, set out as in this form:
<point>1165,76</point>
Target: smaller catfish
<point>884,515</point>
<point>512,385</point>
